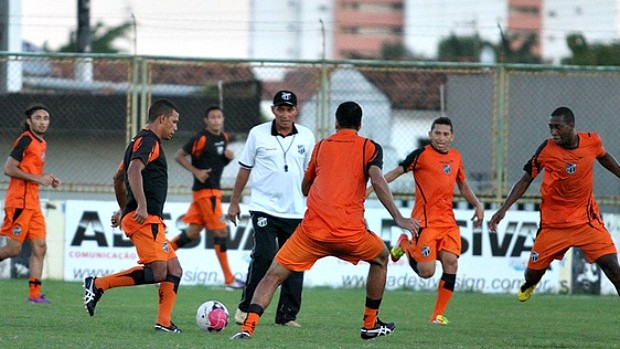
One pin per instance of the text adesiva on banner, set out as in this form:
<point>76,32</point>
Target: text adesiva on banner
<point>490,263</point>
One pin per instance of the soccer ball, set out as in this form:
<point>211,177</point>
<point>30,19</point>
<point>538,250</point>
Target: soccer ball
<point>212,316</point>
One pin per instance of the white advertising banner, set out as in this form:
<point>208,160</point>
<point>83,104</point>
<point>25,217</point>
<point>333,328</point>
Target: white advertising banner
<point>490,263</point>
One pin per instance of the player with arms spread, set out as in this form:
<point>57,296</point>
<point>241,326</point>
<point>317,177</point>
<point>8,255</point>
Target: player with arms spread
<point>436,168</point>
<point>569,214</point>
<point>333,224</point>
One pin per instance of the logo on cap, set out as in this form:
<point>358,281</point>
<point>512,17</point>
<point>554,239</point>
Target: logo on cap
<point>285,97</point>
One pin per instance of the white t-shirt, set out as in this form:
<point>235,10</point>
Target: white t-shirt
<point>278,165</point>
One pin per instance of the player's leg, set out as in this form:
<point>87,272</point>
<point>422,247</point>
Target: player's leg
<point>36,271</point>
<point>423,253</point>
<point>609,264</point>
<point>168,289</point>
<point>445,289</point>
<point>265,248</point>
<point>375,287</point>
<point>262,297</point>
<point>220,241</point>
<point>289,302</point>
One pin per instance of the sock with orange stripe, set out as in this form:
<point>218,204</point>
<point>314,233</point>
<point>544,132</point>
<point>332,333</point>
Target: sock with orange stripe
<point>34,286</point>
<point>167,297</point>
<point>444,293</point>
<point>222,256</point>
<point>129,277</point>
<point>254,313</point>
<point>371,311</point>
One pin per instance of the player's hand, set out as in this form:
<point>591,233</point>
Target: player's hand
<point>140,214</point>
<point>46,179</point>
<point>497,217</point>
<point>115,220</point>
<point>56,182</point>
<point>202,175</point>
<point>233,213</point>
<point>229,154</point>
<point>409,224</point>
<point>478,217</point>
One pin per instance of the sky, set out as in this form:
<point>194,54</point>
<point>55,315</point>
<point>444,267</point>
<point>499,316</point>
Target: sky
<point>189,28</point>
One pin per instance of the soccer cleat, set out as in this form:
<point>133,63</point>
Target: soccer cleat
<point>522,296</point>
<point>396,252</point>
<point>291,323</point>
<point>91,295</point>
<point>170,329</point>
<point>440,320</point>
<point>39,300</point>
<point>240,316</point>
<point>236,284</point>
<point>381,329</point>
<point>242,335</point>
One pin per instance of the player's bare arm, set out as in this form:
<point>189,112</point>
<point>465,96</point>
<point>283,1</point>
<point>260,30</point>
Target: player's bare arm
<point>470,196</point>
<point>134,177</point>
<point>234,211</point>
<point>385,196</point>
<point>11,169</point>
<point>610,163</point>
<point>201,174</point>
<point>517,190</point>
<point>305,186</point>
<point>389,178</point>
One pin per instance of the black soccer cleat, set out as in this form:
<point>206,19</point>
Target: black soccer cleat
<point>381,329</point>
<point>91,295</point>
<point>170,329</point>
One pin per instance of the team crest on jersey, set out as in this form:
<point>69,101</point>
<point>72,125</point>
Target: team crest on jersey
<point>426,251</point>
<point>166,247</point>
<point>17,230</point>
<point>446,169</point>
<point>301,149</point>
<point>571,168</point>
<point>261,222</point>
<point>534,256</point>
<point>219,149</point>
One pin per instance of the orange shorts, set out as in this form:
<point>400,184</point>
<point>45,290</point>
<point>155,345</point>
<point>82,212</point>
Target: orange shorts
<point>300,252</point>
<point>23,224</point>
<point>552,243</point>
<point>149,238</point>
<point>433,240</point>
<point>206,210</point>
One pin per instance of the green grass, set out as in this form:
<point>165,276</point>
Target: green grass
<point>330,319</point>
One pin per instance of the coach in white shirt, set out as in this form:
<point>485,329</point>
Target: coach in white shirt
<point>276,154</point>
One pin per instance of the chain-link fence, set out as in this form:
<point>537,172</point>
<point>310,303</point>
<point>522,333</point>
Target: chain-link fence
<point>500,112</point>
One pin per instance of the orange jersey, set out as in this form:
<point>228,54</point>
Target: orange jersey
<point>30,152</point>
<point>435,176</point>
<point>338,170</point>
<point>568,182</point>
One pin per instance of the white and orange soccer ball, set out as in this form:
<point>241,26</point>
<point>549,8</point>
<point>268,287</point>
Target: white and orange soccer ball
<point>212,316</point>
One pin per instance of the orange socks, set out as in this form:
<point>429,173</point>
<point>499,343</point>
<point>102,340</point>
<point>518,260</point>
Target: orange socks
<point>167,298</point>
<point>220,252</point>
<point>120,279</point>
<point>444,293</point>
<point>34,285</point>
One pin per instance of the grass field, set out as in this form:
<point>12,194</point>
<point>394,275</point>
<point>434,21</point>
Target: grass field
<point>330,319</point>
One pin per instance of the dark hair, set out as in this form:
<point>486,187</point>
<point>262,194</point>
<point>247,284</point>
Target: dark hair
<point>30,110</point>
<point>566,114</point>
<point>211,108</point>
<point>349,115</point>
<point>442,121</point>
<point>161,107</point>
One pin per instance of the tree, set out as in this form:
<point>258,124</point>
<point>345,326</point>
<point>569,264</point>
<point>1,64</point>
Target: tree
<point>595,54</point>
<point>460,48</point>
<point>102,38</point>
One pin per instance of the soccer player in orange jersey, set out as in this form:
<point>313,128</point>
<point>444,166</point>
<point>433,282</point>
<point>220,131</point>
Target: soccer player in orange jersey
<point>209,154</point>
<point>333,225</point>
<point>146,185</point>
<point>23,219</point>
<point>569,214</point>
<point>436,168</point>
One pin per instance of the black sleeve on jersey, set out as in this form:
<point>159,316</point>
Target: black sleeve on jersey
<point>377,156</point>
<point>411,159</point>
<point>144,150</point>
<point>20,148</point>
<point>534,159</point>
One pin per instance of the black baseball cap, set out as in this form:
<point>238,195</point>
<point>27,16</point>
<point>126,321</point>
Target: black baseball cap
<point>285,97</point>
